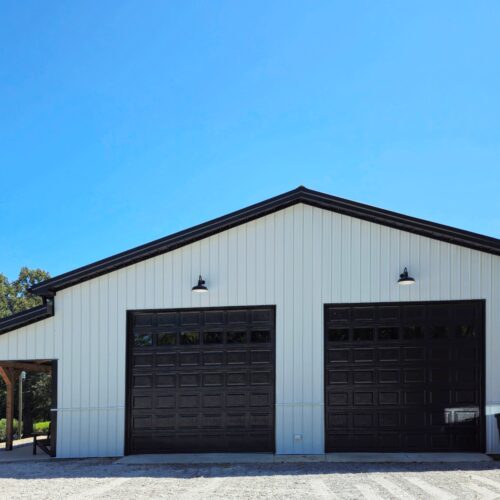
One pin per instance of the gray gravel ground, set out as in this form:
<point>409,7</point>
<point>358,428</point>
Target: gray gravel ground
<point>103,479</point>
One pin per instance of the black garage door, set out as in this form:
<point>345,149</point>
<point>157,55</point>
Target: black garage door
<point>201,380</point>
<point>404,377</point>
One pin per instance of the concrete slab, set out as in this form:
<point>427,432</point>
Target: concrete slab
<point>22,453</point>
<point>198,458</point>
<point>263,458</point>
<point>18,442</point>
<point>407,457</point>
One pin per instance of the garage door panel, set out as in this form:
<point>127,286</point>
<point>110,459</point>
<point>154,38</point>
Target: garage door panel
<point>143,402</point>
<point>201,380</point>
<point>212,421</point>
<point>465,397</point>
<point>214,379</point>
<point>142,422</point>
<point>388,313</point>
<point>163,380</point>
<point>414,419</point>
<point>258,400</point>
<point>338,377</point>
<point>388,376</point>
<point>164,359</point>
<point>415,354</point>
<point>143,319</point>
<point>215,358</point>
<point>406,376</point>
<point>363,398</point>
<point>386,354</point>
<point>236,399</point>
<point>467,353</point>
<point>142,381</point>
<point>189,358</point>
<point>387,397</point>
<point>358,377</point>
<point>465,441</point>
<point>164,422</point>
<point>466,376</point>
<point>237,316</point>
<point>414,398</point>
<point>338,398</point>
<point>261,357</point>
<point>338,355</point>
<point>415,375</point>
<point>188,401</point>
<point>165,401</point>
<point>237,357</point>
<point>143,360</point>
<point>389,419</point>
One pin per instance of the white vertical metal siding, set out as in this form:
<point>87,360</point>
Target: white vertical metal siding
<point>297,259</point>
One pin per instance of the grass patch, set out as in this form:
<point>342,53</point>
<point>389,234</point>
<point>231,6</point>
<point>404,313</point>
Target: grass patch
<point>41,427</point>
<point>3,424</point>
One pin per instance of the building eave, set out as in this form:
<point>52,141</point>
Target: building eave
<point>27,317</point>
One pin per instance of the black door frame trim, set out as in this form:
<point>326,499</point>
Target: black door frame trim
<point>482,347</point>
<point>128,358</point>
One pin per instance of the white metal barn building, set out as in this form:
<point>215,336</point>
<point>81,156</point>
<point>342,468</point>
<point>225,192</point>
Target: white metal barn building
<point>310,337</point>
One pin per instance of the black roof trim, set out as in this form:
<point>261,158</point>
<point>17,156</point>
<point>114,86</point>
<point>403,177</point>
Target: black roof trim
<point>23,318</point>
<point>299,195</point>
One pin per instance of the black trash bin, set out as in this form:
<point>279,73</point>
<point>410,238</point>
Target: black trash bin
<point>497,416</point>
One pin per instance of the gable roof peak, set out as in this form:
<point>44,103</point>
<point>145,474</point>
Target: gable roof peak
<point>301,194</point>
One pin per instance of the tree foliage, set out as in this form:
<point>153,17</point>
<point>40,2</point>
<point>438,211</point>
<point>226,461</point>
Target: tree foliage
<point>15,296</point>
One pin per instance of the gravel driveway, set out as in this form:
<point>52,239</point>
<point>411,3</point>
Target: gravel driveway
<point>104,479</point>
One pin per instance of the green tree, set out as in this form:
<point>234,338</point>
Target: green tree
<point>14,298</point>
<point>5,294</point>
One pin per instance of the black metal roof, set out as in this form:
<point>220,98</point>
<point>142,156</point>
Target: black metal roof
<point>27,317</point>
<point>299,195</point>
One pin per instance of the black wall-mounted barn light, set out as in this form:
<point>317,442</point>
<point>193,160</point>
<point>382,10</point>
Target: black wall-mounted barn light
<point>405,279</point>
<point>200,287</point>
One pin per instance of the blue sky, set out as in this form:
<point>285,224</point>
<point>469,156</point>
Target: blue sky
<point>121,122</point>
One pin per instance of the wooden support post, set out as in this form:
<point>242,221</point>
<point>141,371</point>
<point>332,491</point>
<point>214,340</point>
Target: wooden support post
<point>9,376</point>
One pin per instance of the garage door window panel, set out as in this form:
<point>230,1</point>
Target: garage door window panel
<point>189,338</point>
<point>388,333</point>
<point>413,332</point>
<point>260,337</point>
<point>338,335</point>
<point>167,339</point>
<point>236,337</point>
<point>363,334</point>
<point>211,338</point>
<point>143,340</point>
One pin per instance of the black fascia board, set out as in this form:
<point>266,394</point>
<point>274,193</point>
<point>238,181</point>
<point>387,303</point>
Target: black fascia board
<point>24,318</point>
<point>299,195</point>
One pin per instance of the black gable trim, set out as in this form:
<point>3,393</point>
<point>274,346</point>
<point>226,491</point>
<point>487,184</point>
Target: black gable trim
<point>300,195</point>
<point>27,317</point>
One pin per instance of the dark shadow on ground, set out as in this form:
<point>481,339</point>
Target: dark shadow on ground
<point>106,468</point>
